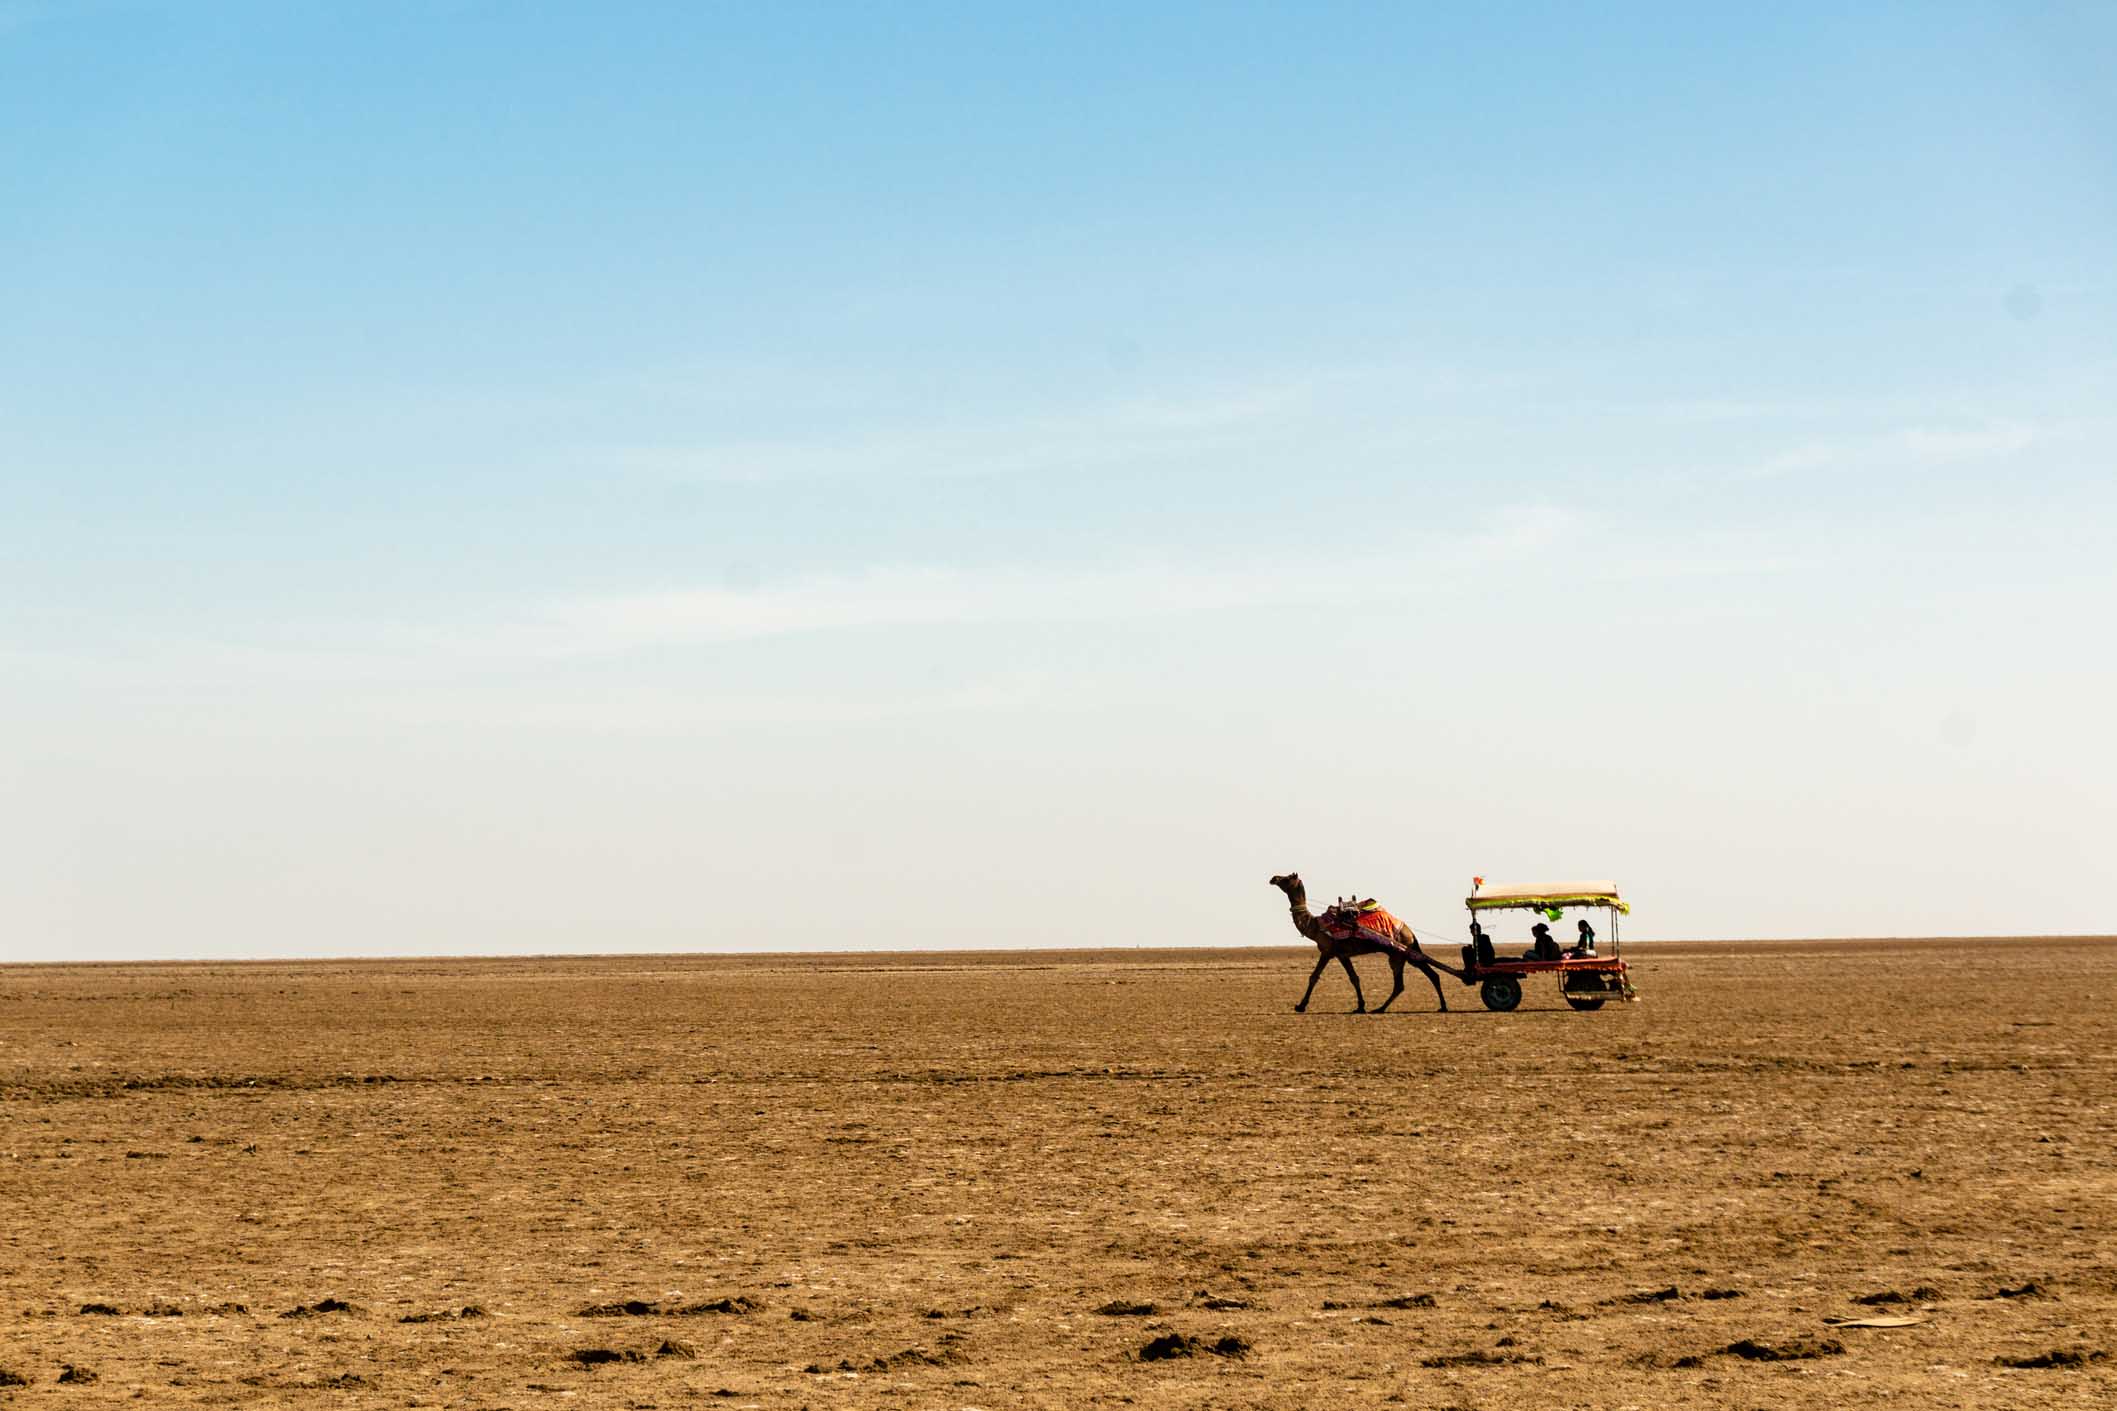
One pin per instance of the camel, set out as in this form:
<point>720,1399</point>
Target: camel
<point>1339,935</point>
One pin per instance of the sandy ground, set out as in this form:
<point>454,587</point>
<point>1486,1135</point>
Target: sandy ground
<point>995,1180</point>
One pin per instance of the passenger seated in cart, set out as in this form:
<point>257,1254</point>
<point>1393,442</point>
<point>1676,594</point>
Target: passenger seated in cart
<point>1546,947</point>
<point>1585,946</point>
<point>1481,944</point>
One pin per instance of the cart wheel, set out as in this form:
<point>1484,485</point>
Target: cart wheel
<point>1585,1001</point>
<point>1502,993</point>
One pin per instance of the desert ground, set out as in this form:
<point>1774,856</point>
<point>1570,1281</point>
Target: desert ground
<point>997,1180</point>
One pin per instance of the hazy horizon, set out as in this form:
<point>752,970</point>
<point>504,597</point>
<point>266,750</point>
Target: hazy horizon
<point>1443,945</point>
<point>480,481</point>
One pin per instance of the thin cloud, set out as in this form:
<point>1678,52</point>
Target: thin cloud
<point>1903,447</point>
<point>911,597</point>
<point>436,658</point>
<point>1521,541</point>
<point>1233,420</point>
<point>636,711</point>
<point>1114,434</point>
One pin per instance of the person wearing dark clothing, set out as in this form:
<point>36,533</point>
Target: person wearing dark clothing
<point>1586,944</point>
<point>1481,944</point>
<point>1546,944</point>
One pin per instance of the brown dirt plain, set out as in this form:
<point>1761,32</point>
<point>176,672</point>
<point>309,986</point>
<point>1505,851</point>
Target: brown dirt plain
<point>928,1180</point>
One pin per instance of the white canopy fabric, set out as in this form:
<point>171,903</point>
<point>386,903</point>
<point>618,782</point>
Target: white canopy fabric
<point>1534,892</point>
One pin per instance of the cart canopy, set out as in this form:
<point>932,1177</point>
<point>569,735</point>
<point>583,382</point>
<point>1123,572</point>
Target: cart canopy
<point>1540,896</point>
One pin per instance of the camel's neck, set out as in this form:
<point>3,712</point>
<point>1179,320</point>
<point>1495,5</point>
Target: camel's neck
<point>1297,905</point>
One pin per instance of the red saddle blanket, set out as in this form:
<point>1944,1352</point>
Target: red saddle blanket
<point>1343,923</point>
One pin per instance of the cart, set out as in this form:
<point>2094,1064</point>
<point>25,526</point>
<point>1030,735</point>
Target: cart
<point>1585,981</point>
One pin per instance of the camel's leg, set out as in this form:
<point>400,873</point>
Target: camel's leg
<point>1396,972</point>
<point>1354,976</point>
<point>1313,976</point>
<point>1432,974</point>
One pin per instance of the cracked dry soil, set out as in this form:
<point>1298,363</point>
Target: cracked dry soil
<point>994,1180</point>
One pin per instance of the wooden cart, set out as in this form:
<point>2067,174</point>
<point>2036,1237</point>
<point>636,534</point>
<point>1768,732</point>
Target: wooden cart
<point>1585,981</point>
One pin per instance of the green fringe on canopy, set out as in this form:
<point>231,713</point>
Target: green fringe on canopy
<point>1544,904</point>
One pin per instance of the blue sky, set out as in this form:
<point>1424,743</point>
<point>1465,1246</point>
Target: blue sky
<point>482,478</point>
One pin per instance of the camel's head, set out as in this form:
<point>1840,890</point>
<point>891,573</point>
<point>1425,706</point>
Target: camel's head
<point>1286,882</point>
